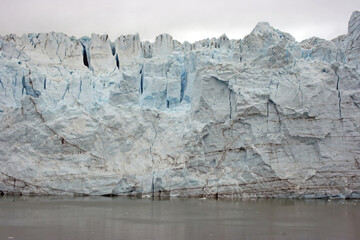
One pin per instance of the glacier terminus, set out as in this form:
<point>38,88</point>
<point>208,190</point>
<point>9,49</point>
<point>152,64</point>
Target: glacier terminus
<point>264,116</point>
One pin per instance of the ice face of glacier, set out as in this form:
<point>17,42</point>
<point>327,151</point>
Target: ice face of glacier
<point>349,43</point>
<point>264,116</point>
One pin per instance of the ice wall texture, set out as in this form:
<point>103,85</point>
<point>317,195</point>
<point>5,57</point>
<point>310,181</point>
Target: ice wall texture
<point>264,116</point>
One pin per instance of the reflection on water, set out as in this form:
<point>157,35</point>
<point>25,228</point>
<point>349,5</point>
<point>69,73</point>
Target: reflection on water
<point>120,218</point>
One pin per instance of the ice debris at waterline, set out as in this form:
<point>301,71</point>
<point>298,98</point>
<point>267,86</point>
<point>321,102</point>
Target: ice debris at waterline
<point>264,116</point>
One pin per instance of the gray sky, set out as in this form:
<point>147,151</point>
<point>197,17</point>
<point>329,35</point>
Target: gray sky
<point>183,19</point>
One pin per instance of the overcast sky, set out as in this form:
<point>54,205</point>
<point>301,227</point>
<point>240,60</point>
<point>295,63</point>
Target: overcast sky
<point>183,19</point>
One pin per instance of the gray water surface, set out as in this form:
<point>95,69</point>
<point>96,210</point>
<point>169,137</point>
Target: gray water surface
<point>120,218</point>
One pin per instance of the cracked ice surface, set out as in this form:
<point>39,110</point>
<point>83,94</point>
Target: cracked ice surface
<point>264,116</point>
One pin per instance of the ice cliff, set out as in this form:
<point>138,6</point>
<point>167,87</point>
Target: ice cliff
<point>264,116</point>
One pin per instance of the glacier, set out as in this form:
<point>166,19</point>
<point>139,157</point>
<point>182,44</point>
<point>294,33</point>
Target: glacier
<point>264,116</point>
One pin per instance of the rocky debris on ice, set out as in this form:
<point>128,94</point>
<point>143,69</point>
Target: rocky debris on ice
<point>264,116</point>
